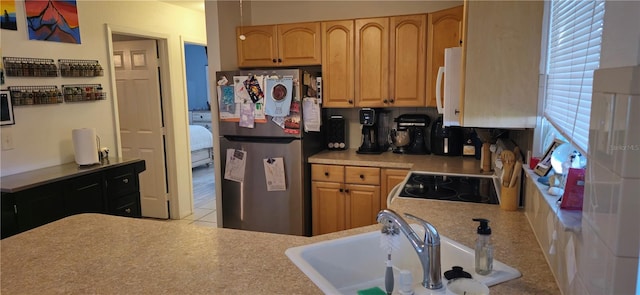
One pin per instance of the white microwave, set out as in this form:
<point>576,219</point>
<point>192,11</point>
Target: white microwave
<point>449,105</point>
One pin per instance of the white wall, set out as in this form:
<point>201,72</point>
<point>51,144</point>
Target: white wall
<point>620,34</point>
<point>42,134</point>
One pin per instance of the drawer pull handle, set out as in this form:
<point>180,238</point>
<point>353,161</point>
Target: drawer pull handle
<point>361,176</point>
<point>128,210</point>
<point>126,180</point>
<point>326,174</point>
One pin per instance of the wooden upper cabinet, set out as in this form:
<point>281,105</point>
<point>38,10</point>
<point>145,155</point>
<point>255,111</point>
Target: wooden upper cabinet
<point>259,48</point>
<point>296,44</point>
<point>408,44</point>
<point>299,44</point>
<point>372,62</point>
<point>338,64</point>
<point>445,31</point>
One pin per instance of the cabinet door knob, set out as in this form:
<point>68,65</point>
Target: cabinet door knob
<point>125,180</point>
<point>346,190</point>
<point>273,60</point>
<point>392,100</point>
<point>279,60</point>
<point>341,190</point>
<point>385,101</point>
<point>350,101</point>
<point>457,111</point>
<point>326,174</point>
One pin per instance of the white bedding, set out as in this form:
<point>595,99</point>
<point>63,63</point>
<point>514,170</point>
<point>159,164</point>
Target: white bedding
<point>201,137</point>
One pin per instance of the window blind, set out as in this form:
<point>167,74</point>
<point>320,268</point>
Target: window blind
<point>575,36</point>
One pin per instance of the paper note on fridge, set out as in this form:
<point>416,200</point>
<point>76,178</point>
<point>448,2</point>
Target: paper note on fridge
<point>241,93</point>
<point>274,174</point>
<point>278,96</point>
<point>234,168</point>
<point>312,115</point>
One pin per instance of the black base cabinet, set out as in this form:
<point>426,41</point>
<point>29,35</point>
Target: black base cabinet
<point>111,190</point>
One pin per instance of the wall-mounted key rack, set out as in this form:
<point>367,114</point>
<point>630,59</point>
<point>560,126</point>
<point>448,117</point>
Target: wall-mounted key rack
<point>80,68</point>
<point>83,92</point>
<point>31,95</point>
<point>29,67</point>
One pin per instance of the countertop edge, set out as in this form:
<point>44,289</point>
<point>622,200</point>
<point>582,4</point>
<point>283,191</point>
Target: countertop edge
<point>5,181</point>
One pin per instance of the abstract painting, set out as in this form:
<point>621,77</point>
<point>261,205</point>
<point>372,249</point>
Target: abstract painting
<point>53,20</point>
<point>8,19</point>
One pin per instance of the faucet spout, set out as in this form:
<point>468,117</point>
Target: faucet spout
<point>427,247</point>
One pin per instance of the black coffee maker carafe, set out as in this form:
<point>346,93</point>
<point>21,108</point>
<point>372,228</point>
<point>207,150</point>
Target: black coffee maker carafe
<point>446,141</point>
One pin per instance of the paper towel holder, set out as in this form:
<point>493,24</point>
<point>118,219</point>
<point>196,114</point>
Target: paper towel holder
<point>85,145</point>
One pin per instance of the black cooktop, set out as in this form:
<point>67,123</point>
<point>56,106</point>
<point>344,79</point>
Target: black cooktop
<point>450,188</point>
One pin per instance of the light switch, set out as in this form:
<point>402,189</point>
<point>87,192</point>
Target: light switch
<point>7,140</point>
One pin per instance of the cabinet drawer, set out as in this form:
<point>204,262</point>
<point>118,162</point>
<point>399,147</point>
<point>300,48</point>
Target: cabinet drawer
<point>201,116</point>
<point>362,175</point>
<point>128,205</point>
<point>330,173</point>
<point>122,181</point>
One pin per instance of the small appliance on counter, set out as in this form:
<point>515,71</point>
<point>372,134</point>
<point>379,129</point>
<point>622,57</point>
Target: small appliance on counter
<point>369,118</point>
<point>336,133</point>
<point>409,135</point>
<point>446,141</point>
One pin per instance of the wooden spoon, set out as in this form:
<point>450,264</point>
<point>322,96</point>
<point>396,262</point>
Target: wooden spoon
<point>515,174</point>
<point>508,161</point>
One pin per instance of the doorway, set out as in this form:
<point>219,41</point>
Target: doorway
<point>201,137</point>
<point>141,117</point>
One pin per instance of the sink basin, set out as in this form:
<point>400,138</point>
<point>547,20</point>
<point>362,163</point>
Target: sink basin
<point>349,264</point>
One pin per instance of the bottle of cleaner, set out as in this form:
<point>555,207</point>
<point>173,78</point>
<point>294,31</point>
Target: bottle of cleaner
<point>484,249</point>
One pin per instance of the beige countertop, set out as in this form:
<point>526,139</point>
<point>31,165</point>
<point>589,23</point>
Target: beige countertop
<point>21,181</point>
<point>432,163</point>
<point>102,254</point>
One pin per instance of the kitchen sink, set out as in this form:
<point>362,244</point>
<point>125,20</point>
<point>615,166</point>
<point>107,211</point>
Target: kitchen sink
<point>349,264</point>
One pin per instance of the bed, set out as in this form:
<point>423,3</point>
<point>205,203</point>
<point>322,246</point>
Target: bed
<point>201,146</point>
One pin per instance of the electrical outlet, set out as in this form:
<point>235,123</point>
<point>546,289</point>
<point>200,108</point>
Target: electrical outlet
<point>7,140</point>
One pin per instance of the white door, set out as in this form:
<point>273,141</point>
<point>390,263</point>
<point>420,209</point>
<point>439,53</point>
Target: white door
<point>141,124</point>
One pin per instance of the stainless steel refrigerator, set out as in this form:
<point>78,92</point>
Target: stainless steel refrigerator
<point>248,205</point>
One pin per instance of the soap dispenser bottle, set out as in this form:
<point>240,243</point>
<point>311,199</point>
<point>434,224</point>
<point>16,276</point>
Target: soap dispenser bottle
<point>484,249</point>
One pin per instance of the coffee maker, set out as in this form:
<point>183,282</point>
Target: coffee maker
<point>414,127</point>
<point>446,140</point>
<point>371,143</point>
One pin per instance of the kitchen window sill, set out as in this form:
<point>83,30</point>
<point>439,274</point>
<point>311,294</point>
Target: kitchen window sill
<point>571,220</point>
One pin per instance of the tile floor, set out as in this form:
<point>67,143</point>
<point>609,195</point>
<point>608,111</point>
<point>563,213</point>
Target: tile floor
<point>204,198</point>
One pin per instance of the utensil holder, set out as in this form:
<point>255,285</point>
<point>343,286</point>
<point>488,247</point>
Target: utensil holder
<point>509,198</point>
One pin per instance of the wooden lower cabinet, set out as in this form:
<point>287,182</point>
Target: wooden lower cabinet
<point>389,179</point>
<point>343,197</point>
<point>363,204</point>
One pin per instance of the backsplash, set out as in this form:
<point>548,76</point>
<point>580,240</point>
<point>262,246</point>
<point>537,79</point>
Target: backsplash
<point>354,134</point>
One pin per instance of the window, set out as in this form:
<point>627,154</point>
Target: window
<point>573,53</point>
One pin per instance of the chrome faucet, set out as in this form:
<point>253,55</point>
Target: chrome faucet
<point>427,247</point>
